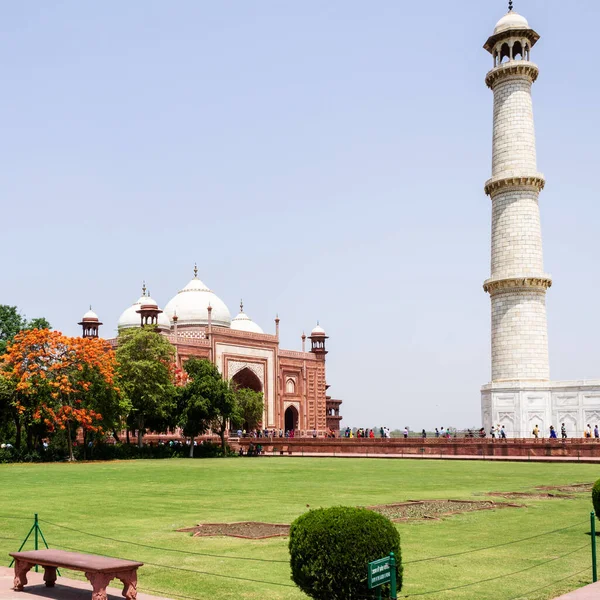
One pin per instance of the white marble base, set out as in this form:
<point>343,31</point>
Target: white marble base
<point>520,405</point>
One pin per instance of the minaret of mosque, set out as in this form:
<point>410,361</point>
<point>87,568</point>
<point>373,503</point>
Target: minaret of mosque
<point>518,283</point>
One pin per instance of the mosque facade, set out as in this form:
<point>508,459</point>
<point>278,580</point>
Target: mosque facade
<point>199,325</point>
<point>521,394</point>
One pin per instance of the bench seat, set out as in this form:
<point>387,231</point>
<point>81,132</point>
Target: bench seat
<point>99,570</point>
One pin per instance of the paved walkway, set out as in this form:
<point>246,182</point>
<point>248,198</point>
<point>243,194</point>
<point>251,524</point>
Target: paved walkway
<point>572,459</point>
<point>65,589</point>
<point>589,592</point>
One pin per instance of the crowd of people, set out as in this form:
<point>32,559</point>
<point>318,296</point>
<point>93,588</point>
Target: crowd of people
<point>365,432</point>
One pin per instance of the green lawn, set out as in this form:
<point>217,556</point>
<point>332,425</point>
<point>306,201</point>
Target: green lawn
<point>146,501</point>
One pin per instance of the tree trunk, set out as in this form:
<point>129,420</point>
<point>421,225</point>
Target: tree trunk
<point>84,445</point>
<point>222,434</point>
<point>116,436</point>
<point>140,431</point>
<point>127,436</point>
<point>70,442</point>
<point>29,439</point>
<point>192,447</point>
<point>18,433</point>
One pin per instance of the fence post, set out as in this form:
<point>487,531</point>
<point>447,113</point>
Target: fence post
<point>393,592</point>
<point>35,535</point>
<point>593,532</point>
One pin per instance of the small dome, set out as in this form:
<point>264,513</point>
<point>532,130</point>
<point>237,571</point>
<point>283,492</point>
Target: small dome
<point>512,20</point>
<point>131,318</point>
<point>90,315</point>
<point>318,330</point>
<point>244,323</point>
<point>191,306</point>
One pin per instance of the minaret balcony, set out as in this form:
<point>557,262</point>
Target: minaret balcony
<point>512,69</point>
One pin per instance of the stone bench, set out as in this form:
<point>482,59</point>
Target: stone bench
<point>99,570</point>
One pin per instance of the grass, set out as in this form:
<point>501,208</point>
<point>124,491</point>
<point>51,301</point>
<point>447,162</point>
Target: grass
<point>146,501</point>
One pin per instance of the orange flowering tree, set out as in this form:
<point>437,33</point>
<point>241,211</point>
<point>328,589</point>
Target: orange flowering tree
<point>57,379</point>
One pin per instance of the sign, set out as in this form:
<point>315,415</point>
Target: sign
<point>380,572</point>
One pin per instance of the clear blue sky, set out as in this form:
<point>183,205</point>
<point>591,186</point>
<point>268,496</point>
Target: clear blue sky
<point>322,160</point>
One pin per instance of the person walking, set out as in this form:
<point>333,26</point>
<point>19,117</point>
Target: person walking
<point>405,432</point>
<point>423,434</point>
<point>596,432</point>
<point>503,433</point>
<point>552,432</point>
<point>536,432</point>
<point>493,432</point>
<point>437,432</point>
<point>563,432</point>
<point>588,431</point>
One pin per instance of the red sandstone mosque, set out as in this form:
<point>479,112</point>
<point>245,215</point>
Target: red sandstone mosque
<point>198,323</point>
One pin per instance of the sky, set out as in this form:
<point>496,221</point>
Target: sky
<point>321,160</point>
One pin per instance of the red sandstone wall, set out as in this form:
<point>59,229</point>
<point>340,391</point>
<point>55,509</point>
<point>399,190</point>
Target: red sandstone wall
<point>581,448</point>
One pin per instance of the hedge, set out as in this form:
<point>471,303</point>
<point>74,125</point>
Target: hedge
<point>330,549</point>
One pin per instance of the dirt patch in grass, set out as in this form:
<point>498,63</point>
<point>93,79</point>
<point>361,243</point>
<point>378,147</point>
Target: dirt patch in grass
<point>530,495</point>
<point>574,488</point>
<point>434,509</point>
<point>250,530</point>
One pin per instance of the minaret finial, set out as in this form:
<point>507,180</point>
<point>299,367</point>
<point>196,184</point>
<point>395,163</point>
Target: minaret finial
<point>195,271</point>
<point>143,288</point>
<point>90,307</point>
<point>510,5</point>
<point>241,306</point>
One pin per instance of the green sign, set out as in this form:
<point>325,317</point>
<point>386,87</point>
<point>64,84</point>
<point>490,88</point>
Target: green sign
<point>380,572</point>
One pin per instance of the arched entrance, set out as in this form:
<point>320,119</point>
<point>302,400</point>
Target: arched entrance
<point>247,379</point>
<point>291,418</point>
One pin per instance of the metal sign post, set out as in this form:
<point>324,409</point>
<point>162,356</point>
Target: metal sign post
<point>383,571</point>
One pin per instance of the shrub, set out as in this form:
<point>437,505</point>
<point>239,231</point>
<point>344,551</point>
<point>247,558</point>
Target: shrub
<point>596,498</point>
<point>330,549</point>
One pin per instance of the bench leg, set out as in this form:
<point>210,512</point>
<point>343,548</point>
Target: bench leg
<point>21,569</point>
<point>129,579</point>
<point>99,583</point>
<point>50,576</point>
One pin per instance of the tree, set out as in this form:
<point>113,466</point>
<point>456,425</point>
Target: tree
<point>145,366</point>
<point>11,322</point>
<point>195,406</point>
<point>38,323</point>
<point>55,379</point>
<point>250,406</point>
<point>330,549</point>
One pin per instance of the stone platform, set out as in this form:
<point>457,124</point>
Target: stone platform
<point>65,589</point>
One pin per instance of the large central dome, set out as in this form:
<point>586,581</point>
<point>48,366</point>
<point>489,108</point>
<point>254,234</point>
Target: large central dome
<point>192,302</point>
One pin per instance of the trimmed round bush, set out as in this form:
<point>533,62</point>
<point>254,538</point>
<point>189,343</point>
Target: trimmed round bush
<point>330,549</point>
<point>596,498</point>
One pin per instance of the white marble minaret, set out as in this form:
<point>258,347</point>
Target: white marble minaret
<point>521,394</point>
<point>518,284</point>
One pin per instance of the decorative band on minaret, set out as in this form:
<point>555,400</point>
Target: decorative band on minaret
<point>518,283</point>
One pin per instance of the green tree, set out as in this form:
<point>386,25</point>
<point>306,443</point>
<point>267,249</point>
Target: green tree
<point>38,323</point>
<point>222,404</point>
<point>250,407</point>
<point>196,408</point>
<point>11,322</point>
<point>145,367</point>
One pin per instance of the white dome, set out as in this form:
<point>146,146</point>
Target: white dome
<point>131,318</point>
<point>191,306</point>
<point>512,20</point>
<point>318,330</point>
<point>244,323</point>
<point>90,315</point>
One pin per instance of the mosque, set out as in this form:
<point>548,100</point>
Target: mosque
<point>521,394</point>
<point>198,324</point>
